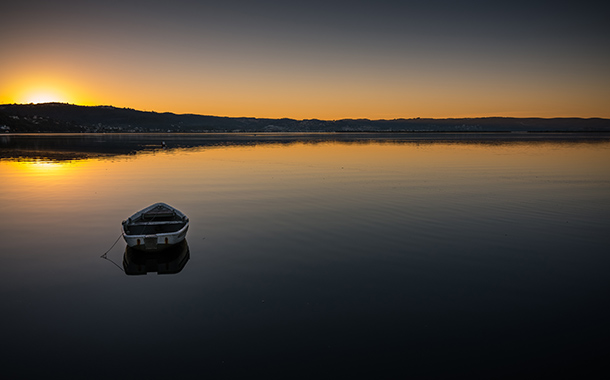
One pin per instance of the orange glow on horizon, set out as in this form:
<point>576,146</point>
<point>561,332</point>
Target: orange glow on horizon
<point>330,97</point>
<point>303,101</point>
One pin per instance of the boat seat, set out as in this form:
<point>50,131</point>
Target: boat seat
<point>152,223</point>
<point>158,214</point>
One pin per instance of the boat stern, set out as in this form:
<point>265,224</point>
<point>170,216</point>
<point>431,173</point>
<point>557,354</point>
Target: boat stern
<point>155,242</point>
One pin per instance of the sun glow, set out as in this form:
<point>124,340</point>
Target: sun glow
<point>45,96</point>
<point>38,89</point>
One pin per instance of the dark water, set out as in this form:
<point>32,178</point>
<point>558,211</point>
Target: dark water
<point>308,257</point>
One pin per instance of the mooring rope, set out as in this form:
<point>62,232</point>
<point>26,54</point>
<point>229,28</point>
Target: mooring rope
<point>105,257</point>
<point>116,241</point>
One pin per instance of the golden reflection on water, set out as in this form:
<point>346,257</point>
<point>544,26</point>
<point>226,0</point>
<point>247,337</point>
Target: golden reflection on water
<point>232,165</point>
<point>28,175</point>
<point>233,173</point>
<point>41,166</point>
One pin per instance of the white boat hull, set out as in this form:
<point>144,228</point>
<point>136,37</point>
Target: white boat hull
<point>155,241</point>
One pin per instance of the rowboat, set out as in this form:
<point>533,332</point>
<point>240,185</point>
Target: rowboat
<point>156,227</point>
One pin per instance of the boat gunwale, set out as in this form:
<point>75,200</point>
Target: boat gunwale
<point>149,208</point>
<point>157,234</point>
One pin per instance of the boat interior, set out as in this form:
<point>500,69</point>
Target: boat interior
<point>156,221</point>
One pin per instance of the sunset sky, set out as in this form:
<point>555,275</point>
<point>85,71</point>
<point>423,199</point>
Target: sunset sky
<point>311,59</point>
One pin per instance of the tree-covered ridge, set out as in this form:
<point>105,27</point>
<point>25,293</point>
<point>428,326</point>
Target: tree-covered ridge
<point>69,118</point>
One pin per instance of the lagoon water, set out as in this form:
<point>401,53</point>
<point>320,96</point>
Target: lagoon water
<point>310,256</point>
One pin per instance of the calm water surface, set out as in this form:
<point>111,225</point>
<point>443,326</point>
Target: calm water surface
<point>308,257</point>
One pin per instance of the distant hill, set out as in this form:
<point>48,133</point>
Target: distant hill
<point>69,118</point>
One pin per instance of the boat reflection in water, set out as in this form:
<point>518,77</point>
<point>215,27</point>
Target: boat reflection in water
<point>168,261</point>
